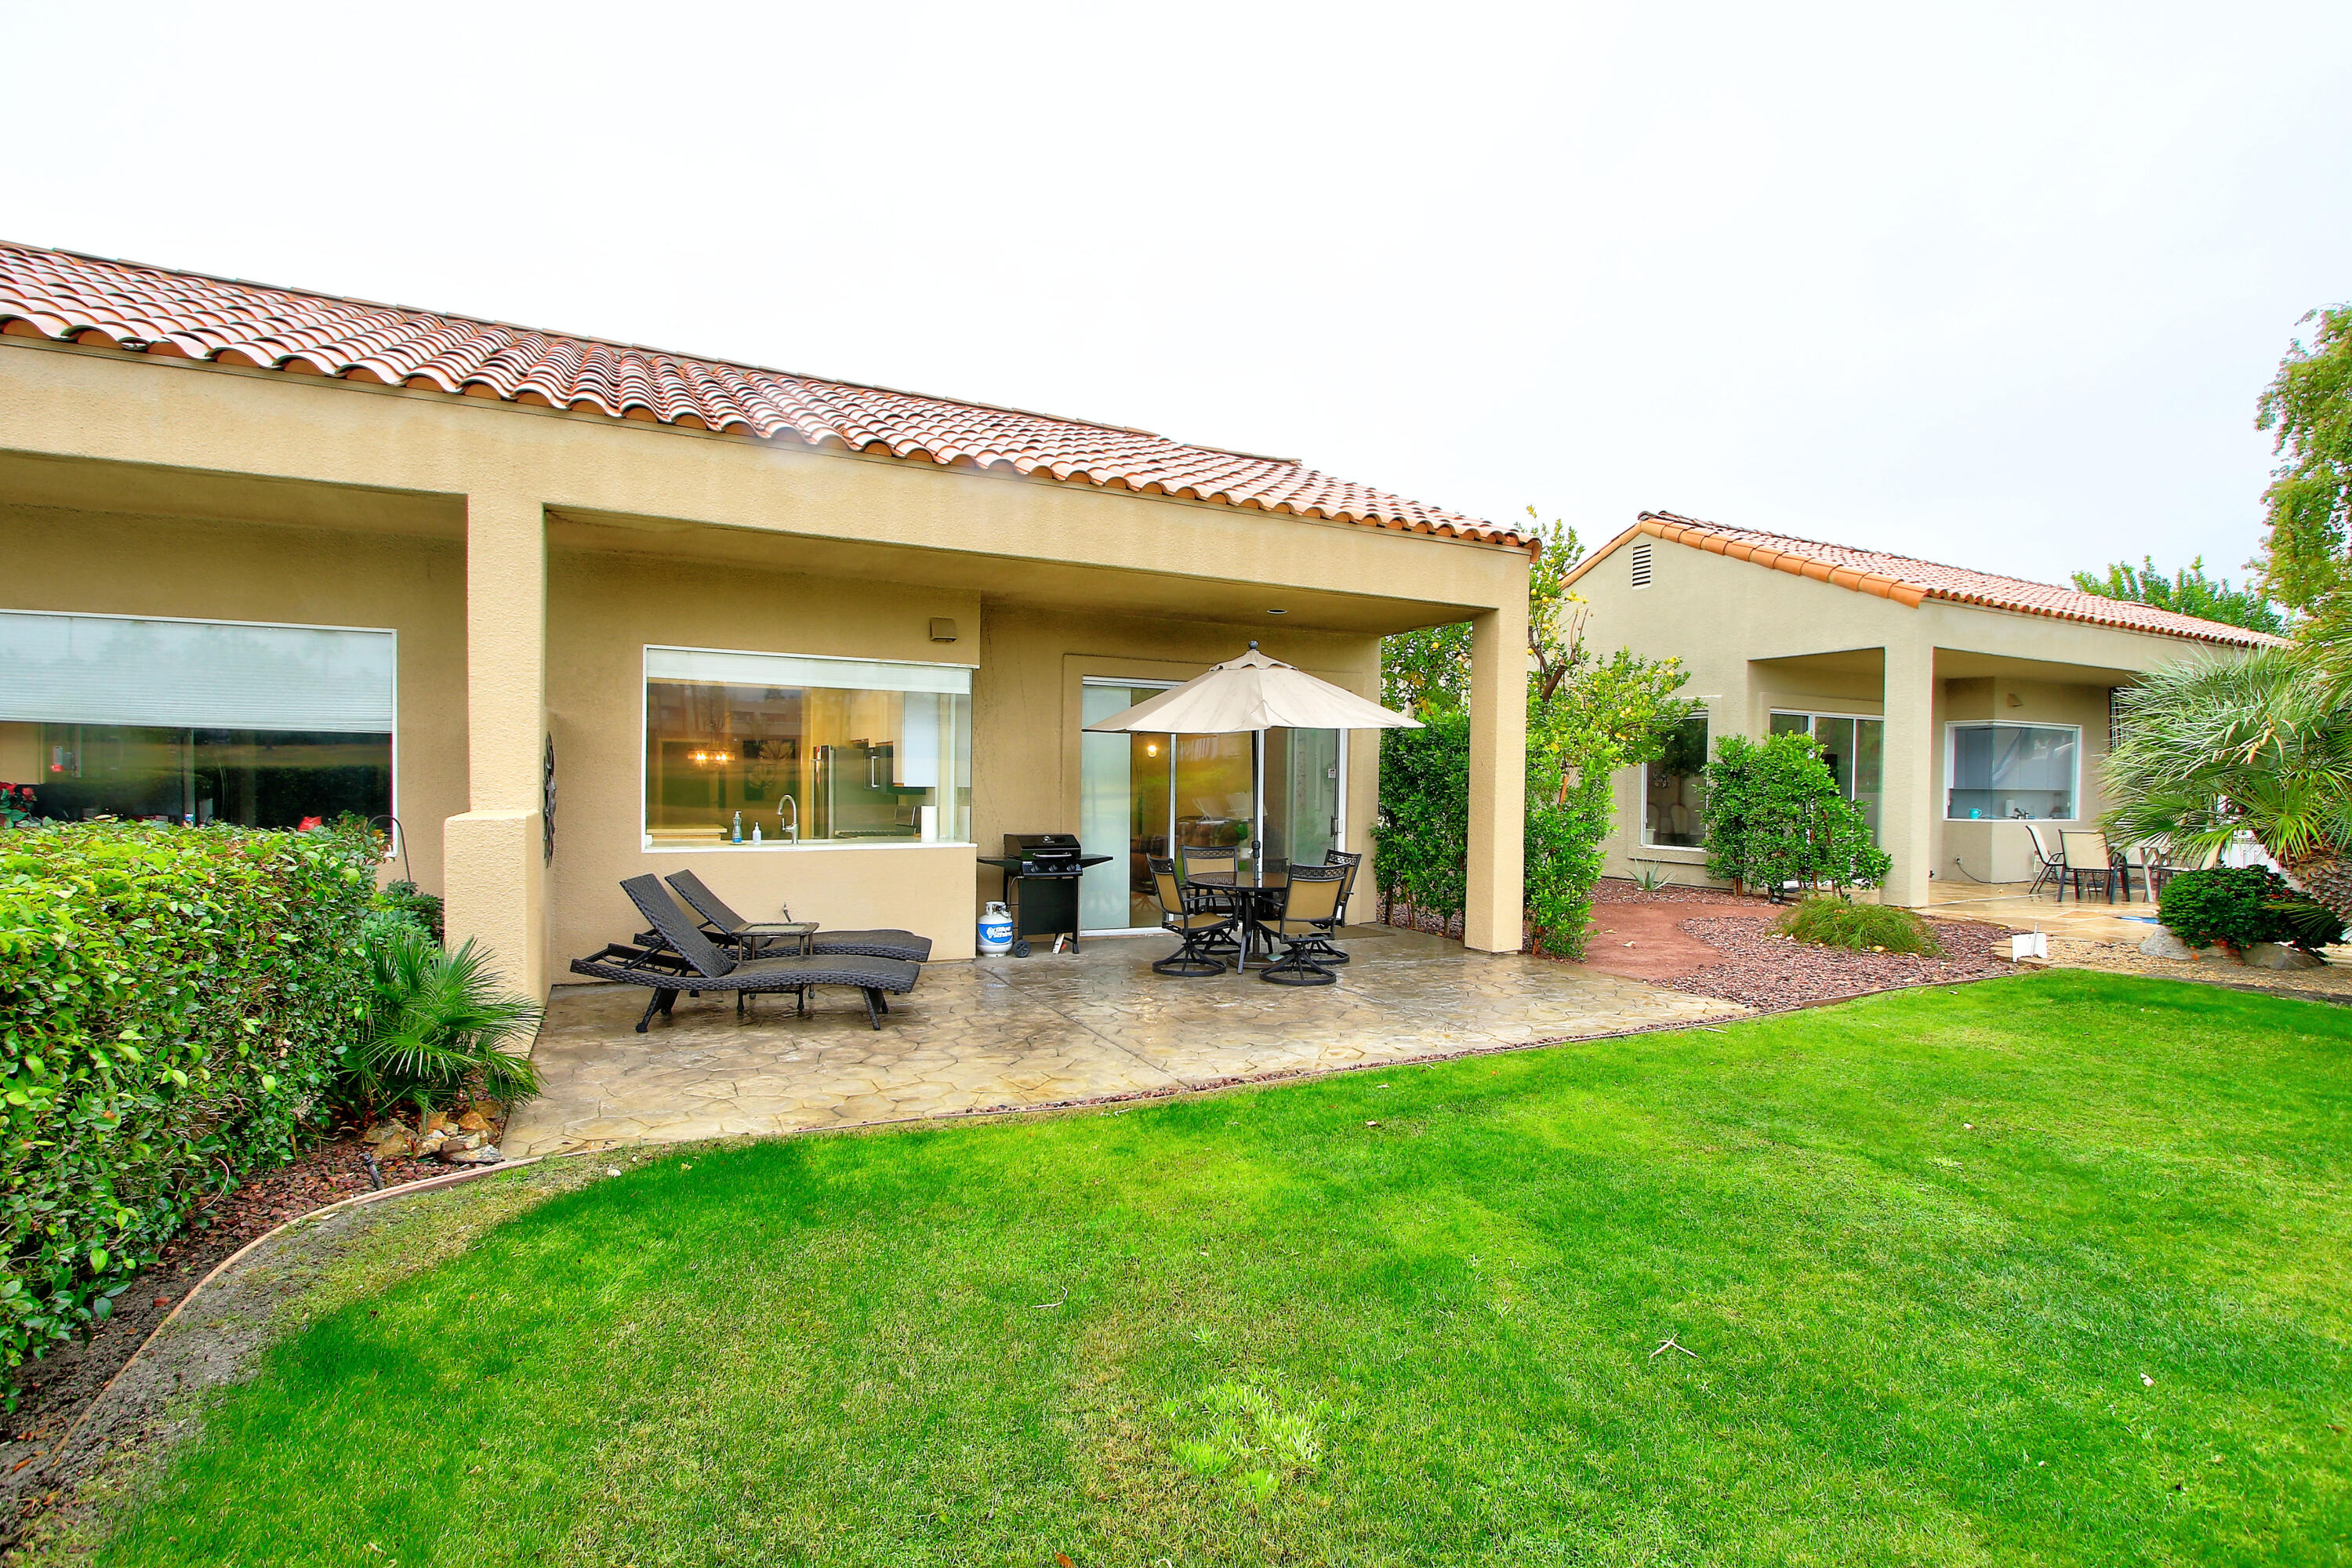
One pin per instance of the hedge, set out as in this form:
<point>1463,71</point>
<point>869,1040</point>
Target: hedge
<point>173,1002</point>
<point>1420,842</point>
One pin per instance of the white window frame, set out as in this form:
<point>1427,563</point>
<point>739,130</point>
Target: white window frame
<point>828,845</point>
<point>1816,714</point>
<point>395,837</point>
<point>1952,728</point>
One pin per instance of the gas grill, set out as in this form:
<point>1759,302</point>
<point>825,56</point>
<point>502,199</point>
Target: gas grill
<point>1041,884</point>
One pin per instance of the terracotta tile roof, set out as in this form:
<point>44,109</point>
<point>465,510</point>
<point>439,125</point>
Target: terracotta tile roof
<point>1911,581</point>
<point>88,299</point>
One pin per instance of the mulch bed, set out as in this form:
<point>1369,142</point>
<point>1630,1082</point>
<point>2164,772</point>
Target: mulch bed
<point>57,1389</point>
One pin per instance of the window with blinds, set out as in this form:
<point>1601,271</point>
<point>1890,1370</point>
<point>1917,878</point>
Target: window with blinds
<point>197,721</point>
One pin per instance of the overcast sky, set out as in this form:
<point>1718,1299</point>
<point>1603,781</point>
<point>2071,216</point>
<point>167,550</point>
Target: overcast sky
<point>1995,285</point>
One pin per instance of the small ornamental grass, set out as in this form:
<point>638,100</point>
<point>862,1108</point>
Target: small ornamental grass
<point>1860,928</point>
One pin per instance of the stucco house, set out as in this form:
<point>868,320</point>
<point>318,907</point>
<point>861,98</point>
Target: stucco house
<point>1952,704</point>
<point>273,554</point>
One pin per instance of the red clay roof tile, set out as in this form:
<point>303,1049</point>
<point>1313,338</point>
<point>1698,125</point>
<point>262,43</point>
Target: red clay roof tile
<point>65,295</point>
<point>1909,582</point>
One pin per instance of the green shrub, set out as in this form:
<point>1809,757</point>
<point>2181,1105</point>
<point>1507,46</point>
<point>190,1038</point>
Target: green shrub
<point>172,1002</point>
<point>1860,928</point>
<point>1565,854</point>
<point>406,899</point>
<point>1775,815</point>
<point>2243,905</point>
<point>1420,842</point>
<point>438,1024</point>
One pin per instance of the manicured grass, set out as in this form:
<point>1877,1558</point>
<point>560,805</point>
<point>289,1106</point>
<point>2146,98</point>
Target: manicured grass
<point>1255,1327</point>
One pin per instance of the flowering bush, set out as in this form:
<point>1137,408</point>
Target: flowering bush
<point>173,1003</point>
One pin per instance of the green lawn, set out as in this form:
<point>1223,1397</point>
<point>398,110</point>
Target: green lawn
<point>1256,1328</point>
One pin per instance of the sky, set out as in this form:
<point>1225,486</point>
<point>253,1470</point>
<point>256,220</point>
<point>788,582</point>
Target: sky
<point>1996,285</point>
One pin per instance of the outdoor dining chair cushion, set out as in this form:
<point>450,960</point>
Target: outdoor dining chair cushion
<point>714,912</point>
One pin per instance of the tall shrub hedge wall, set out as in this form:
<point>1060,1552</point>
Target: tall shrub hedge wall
<point>173,1002</point>
<point>1420,843</point>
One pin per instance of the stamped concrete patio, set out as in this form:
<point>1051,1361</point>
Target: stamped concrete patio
<point>1009,1034</point>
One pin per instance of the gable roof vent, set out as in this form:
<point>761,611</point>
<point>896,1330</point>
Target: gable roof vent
<point>1641,564</point>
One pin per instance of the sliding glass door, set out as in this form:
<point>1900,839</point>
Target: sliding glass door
<point>1142,797</point>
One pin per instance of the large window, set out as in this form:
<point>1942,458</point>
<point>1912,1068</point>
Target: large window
<point>1673,789</point>
<point>2012,772</point>
<point>1854,747</point>
<point>787,749</point>
<point>195,721</point>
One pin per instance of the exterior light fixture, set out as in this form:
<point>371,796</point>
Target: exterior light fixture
<point>1151,748</point>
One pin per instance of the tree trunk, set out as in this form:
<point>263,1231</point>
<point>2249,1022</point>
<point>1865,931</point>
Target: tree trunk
<point>2327,877</point>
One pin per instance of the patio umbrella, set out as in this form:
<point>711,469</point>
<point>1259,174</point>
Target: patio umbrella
<point>1252,693</point>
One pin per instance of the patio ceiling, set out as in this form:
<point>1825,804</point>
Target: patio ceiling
<point>1007,580</point>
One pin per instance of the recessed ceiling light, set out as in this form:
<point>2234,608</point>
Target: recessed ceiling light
<point>1277,612</point>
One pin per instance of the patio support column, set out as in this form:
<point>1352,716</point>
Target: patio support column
<point>1907,818</point>
<point>1498,779</point>
<point>492,858</point>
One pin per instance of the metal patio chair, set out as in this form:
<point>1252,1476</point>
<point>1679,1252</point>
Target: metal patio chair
<point>2050,866</point>
<point>1306,910</point>
<point>2087,856</point>
<point>1191,917</point>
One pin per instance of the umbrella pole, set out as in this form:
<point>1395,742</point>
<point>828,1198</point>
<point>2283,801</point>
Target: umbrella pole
<point>1258,811</point>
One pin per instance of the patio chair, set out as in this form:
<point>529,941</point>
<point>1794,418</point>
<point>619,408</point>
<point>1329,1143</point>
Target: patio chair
<point>2086,854</point>
<point>1192,919</point>
<point>2050,866</point>
<point>1306,910</point>
<point>2164,868</point>
<point>681,958</point>
<point>728,928</point>
<point>1331,953</point>
<point>1215,863</point>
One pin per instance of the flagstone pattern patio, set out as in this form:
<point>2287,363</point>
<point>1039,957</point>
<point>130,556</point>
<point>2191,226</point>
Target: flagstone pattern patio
<point>1008,1033</point>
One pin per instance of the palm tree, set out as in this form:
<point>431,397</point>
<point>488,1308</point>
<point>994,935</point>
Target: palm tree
<point>2262,742</point>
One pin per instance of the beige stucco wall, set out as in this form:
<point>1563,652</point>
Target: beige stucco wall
<point>487,485</point>
<point>603,610</point>
<point>1755,639</point>
<point>104,564</point>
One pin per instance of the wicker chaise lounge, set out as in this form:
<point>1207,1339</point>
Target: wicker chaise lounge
<point>681,958</point>
<point>724,926</point>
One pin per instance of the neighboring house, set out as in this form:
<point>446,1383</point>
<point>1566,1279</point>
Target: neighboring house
<point>1953,705</point>
<point>273,554</point>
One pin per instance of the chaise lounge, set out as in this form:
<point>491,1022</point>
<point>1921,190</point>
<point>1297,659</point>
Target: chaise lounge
<point>723,926</point>
<point>675,956</point>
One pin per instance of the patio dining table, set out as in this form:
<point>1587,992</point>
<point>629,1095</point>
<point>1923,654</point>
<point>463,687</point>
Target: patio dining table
<point>1252,890</point>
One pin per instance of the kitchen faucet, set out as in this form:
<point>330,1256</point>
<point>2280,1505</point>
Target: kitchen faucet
<point>790,830</point>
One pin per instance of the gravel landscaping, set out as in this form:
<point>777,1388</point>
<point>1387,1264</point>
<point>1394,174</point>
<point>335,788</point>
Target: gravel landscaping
<point>1770,971</point>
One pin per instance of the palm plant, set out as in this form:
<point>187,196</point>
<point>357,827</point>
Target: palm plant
<point>2263,743</point>
<point>437,1022</point>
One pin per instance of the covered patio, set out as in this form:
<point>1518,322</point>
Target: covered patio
<point>1007,1034</point>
